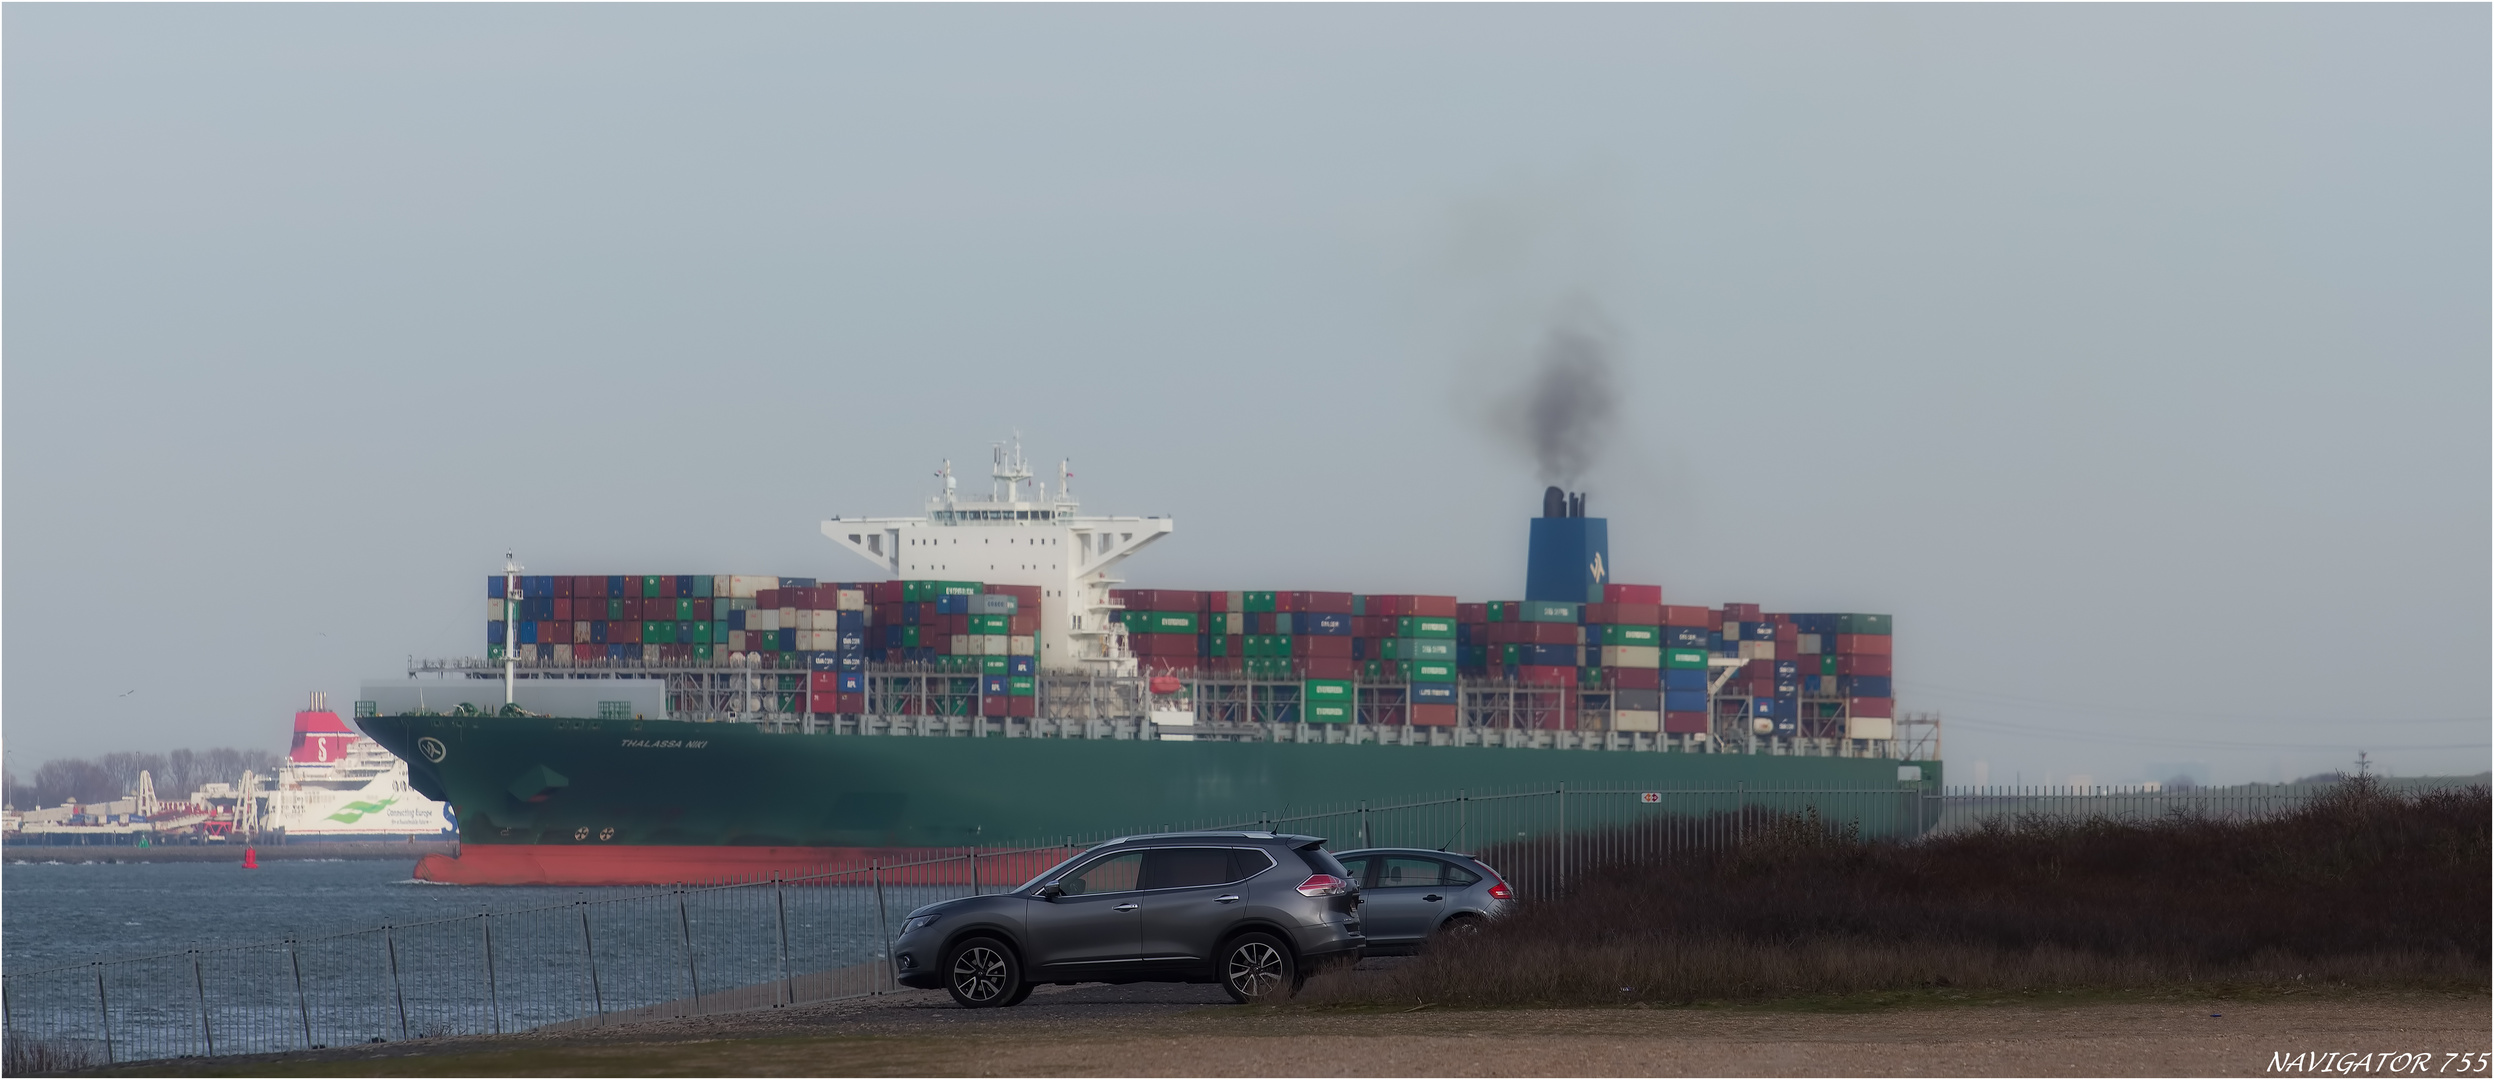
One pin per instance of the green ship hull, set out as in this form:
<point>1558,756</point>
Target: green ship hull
<point>593,802</point>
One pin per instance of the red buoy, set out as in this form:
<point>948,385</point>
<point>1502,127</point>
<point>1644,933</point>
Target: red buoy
<point>250,859</point>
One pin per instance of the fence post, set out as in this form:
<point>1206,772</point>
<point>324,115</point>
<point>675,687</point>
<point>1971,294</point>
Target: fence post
<point>1463,820</point>
<point>589,949</point>
<point>104,1009</point>
<point>1562,837</point>
<point>883,919</point>
<point>684,923</point>
<point>389,941</point>
<point>1364,841</point>
<point>301,1008</point>
<point>974,870</point>
<point>779,896</point>
<point>199,982</point>
<point>493,993</point>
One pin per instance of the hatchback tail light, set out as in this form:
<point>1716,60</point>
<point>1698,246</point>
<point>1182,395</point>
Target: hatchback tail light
<point>1323,885</point>
<point>1498,890</point>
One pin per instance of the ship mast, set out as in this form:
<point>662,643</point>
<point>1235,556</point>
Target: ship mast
<point>510,626</point>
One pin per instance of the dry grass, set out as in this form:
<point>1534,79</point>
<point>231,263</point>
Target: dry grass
<point>2362,888</point>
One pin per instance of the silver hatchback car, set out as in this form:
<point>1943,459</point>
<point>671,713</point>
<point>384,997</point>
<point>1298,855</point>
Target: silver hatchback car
<point>1409,895</point>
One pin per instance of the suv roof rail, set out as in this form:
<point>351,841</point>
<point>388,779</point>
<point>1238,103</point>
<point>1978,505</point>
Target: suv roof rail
<point>1207,834</point>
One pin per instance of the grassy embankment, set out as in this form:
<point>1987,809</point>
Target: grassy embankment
<point>2365,888</point>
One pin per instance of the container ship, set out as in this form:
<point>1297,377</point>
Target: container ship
<point>996,686</point>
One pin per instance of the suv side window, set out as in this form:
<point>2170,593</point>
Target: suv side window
<point>1116,873</point>
<point>1248,862</point>
<point>1358,867</point>
<point>1405,871</point>
<point>1184,867</point>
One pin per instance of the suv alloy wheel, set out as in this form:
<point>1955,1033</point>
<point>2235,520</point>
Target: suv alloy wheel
<point>1256,969</point>
<point>982,974</point>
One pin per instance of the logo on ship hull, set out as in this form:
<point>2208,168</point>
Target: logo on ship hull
<point>432,749</point>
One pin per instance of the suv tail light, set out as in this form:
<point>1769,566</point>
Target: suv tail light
<point>1323,885</point>
<point>1498,890</point>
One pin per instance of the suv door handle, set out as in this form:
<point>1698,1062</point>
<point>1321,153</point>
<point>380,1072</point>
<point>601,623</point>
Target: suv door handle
<point>1126,907</point>
<point>1433,898</point>
<point>1225,899</point>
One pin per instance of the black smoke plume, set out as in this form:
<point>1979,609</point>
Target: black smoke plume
<point>1572,403</point>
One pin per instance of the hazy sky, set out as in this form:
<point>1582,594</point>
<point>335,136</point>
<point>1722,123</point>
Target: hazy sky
<point>2135,358</point>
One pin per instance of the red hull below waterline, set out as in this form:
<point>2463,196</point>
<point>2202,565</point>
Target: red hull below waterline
<point>552,864</point>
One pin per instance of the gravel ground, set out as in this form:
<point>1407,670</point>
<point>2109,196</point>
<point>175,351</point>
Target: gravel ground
<point>1194,1031</point>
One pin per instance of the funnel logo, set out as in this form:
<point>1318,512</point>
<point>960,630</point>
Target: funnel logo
<point>432,749</point>
<point>1596,568</point>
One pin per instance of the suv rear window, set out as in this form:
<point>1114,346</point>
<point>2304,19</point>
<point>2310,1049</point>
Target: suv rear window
<point>1323,862</point>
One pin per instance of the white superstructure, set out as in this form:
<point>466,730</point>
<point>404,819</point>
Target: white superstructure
<point>1019,535</point>
<point>336,784</point>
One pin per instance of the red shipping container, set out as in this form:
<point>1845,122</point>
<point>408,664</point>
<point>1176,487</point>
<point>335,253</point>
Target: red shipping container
<point>1633,613</point>
<point>1282,601</point>
<point>1023,624</point>
<point>1387,606</point>
<point>1636,678</point>
<point>1331,667</point>
<point>1740,613</point>
<point>1028,595</point>
<point>1632,594</point>
<point>1434,607</point>
<point>1472,613</point>
<point>1686,615</point>
<point>1865,644</point>
<point>701,609</point>
<point>666,586</point>
<point>1321,646</point>
<point>562,608</point>
<point>1787,636</point>
<point>766,599</point>
<point>884,592</point>
<point>623,633</point>
<point>1433,715</point>
<point>1865,664</point>
<point>822,682</point>
<point>1762,687</point>
<point>1322,603</point>
<point>855,702</point>
<point>1758,669</point>
<point>1545,675</point>
<point>994,705</point>
<point>1024,707</point>
<point>562,588</point>
<point>1871,706</point>
<point>1225,665</point>
<point>1684,723</point>
<point>1596,613</point>
<point>1549,633</point>
<point>585,651</point>
<point>937,640</point>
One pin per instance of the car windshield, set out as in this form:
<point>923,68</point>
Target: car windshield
<point>1050,873</point>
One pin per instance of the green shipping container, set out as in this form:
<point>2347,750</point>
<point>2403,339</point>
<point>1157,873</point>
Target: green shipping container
<point>1862,624</point>
<point>657,632</point>
<point>683,608</point>
<point>701,650</point>
<point>991,624</point>
<point>1217,645</point>
<point>909,637</point>
<point>1827,664</point>
<point>1257,601</point>
<point>1685,658</point>
<point>614,609</point>
<point>718,632</point>
<point>1333,690</point>
<point>1328,712</point>
<point>1550,611</point>
<point>649,586</point>
<point>958,588</point>
<point>1508,655</point>
<point>1372,670</point>
<point>1497,611</point>
<point>1631,635</point>
<point>1589,678</point>
<point>701,586</point>
<point>915,592</point>
<point>1429,671</point>
<point>995,665</point>
<point>1170,622</point>
<point>1418,649</point>
<point>1424,626</point>
<point>493,652</point>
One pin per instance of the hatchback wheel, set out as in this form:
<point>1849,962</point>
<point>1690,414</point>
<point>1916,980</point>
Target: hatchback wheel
<point>982,974</point>
<point>1257,969</point>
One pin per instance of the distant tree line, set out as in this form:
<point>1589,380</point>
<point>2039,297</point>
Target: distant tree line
<point>111,776</point>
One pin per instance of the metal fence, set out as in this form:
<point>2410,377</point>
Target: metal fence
<point>690,951</point>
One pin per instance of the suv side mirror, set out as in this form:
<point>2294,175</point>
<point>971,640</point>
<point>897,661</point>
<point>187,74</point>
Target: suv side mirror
<point>1050,891</point>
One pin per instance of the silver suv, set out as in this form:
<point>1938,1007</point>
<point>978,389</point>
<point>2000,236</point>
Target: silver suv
<point>1410,895</point>
<point>1252,911</point>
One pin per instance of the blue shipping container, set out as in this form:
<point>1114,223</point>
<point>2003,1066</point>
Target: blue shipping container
<point>493,587</point>
<point>528,633</point>
<point>1324,624</point>
<point>493,633</point>
<point>994,685</point>
<point>615,587</point>
<point>787,640</point>
<point>1757,631</point>
<point>850,620</point>
<point>1684,701</point>
<point>1019,665</point>
<point>1814,624</point>
<point>1548,655</point>
<point>852,682</point>
<point>1684,679</point>
<point>1866,685</point>
<point>1442,693</point>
